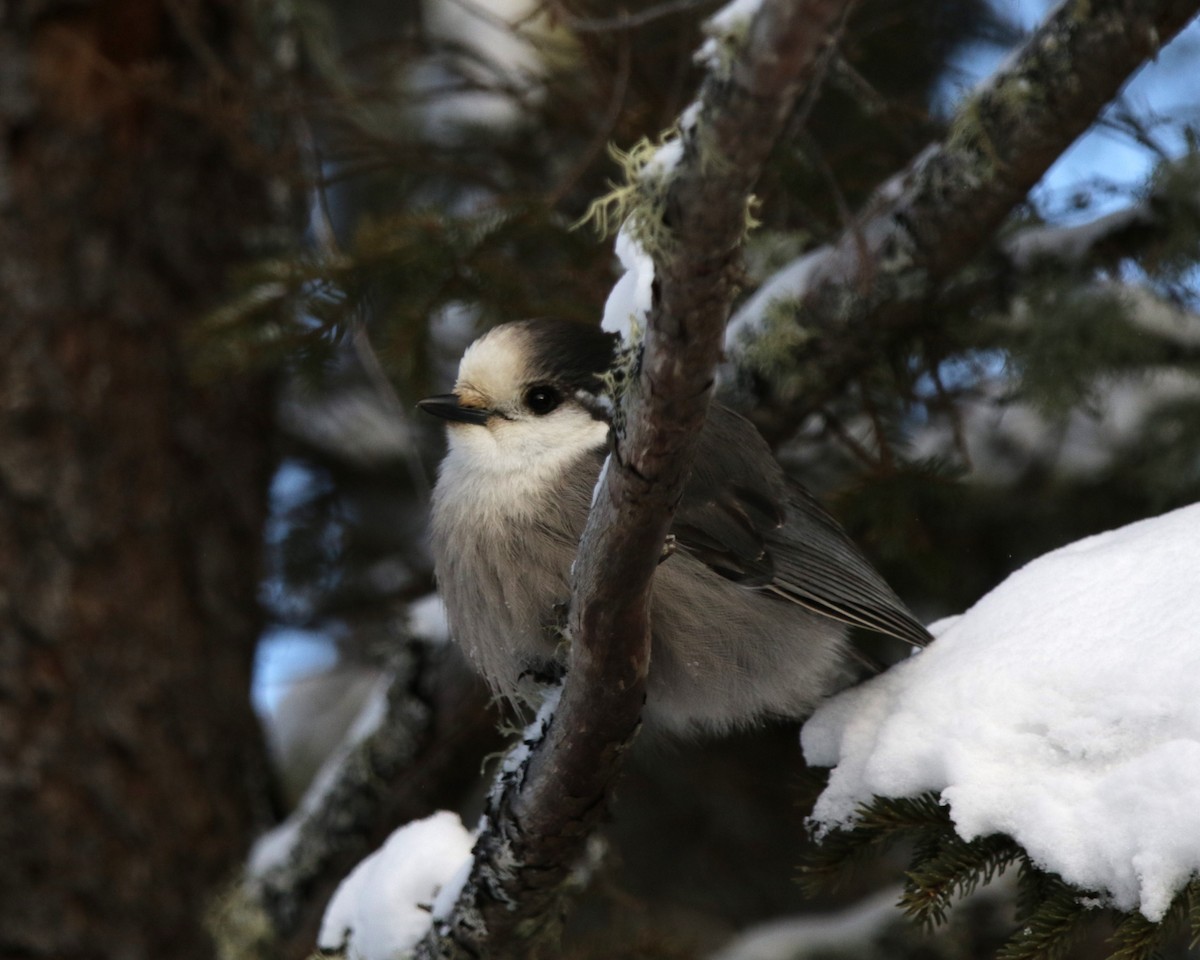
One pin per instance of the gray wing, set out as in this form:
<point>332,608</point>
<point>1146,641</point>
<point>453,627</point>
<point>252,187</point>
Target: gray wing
<point>742,517</point>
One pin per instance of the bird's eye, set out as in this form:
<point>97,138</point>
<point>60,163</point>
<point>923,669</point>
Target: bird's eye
<point>541,398</point>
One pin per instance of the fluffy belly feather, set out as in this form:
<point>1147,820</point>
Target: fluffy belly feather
<point>505,577</point>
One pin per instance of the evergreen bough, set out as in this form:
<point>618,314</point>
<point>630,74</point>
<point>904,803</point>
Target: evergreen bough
<point>1051,914</point>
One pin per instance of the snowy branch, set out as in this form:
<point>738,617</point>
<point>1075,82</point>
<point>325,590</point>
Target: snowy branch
<point>538,825</point>
<point>1107,239</point>
<point>1067,698</point>
<point>928,222</point>
<point>370,782</point>
<point>1073,246</point>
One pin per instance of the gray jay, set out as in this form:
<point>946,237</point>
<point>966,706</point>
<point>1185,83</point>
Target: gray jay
<point>749,615</point>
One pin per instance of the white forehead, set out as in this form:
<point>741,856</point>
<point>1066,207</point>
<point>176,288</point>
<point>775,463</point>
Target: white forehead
<point>496,363</point>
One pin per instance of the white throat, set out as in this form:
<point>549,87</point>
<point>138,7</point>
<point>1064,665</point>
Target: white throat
<point>509,466</point>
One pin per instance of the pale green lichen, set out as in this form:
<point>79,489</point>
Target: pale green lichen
<point>639,201</point>
<point>769,352</point>
<point>239,924</point>
<point>711,160</point>
<point>968,134</point>
<point>750,221</point>
<point>984,119</point>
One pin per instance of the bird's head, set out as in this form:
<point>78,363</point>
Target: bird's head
<point>529,395</point>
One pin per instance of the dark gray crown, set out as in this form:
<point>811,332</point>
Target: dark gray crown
<point>572,355</point>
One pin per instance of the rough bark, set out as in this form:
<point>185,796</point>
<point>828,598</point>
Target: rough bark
<point>132,497</point>
<point>541,816</point>
<point>934,218</point>
<point>424,752</point>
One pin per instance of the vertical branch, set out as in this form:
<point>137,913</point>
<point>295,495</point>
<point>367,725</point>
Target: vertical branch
<point>540,820</point>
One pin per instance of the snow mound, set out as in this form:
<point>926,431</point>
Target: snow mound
<point>1063,710</point>
<point>386,904</point>
<point>629,303</point>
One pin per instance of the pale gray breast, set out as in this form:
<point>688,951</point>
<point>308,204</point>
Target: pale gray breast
<point>503,565</point>
<point>723,653</point>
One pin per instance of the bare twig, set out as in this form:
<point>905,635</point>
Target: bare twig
<point>630,21</point>
<point>953,411</point>
<point>887,461</point>
<point>595,147</point>
<point>842,434</point>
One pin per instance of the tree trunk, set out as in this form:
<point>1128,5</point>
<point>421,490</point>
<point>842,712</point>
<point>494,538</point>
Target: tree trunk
<point>132,497</point>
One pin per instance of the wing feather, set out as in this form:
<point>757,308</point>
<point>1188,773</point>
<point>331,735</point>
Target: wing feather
<point>751,524</point>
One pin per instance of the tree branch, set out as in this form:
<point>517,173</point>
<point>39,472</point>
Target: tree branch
<point>927,223</point>
<point>539,822</point>
<point>1105,241</point>
<point>375,779</point>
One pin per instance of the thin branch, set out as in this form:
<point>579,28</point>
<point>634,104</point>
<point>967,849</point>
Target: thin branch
<point>616,102</point>
<point>953,412</point>
<point>325,239</point>
<point>843,435</point>
<point>628,21</point>
<point>377,377</point>
<point>887,461</point>
<point>935,217</point>
<point>538,825</point>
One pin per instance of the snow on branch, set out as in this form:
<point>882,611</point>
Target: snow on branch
<point>538,822</point>
<point>832,308</point>
<point>333,825</point>
<point>1055,723</point>
<point>1108,238</point>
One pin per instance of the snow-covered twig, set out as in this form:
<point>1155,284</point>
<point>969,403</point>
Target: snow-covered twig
<point>1105,240</point>
<point>366,784</point>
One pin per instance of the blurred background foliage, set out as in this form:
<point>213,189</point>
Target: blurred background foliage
<point>452,145</point>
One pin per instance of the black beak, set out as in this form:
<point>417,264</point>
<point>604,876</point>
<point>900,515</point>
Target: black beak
<point>447,407</point>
